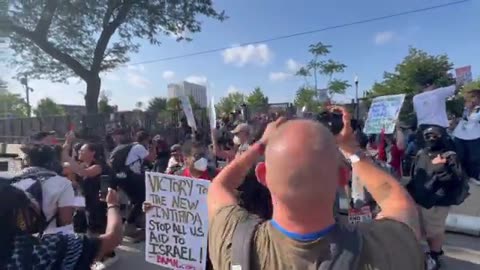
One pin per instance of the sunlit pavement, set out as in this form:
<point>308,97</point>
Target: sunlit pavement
<point>462,253</point>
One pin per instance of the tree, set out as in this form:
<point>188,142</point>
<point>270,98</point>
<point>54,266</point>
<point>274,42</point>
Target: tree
<point>328,68</point>
<point>230,103</point>
<point>104,104</point>
<point>175,104</point>
<point>55,40</point>
<point>12,105</point>
<point>157,105</point>
<point>473,85</point>
<point>257,98</point>
<point>410,76</point>
<point>139,105</point>
<point>48,107</point>
<point>305,97</point>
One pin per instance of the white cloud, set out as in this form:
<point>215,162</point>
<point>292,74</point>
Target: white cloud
<point>293,66</point>
<point>382,38</point>
<point>168,75</point>
<point>202,80</point>
<point>137,80</point>
<point>256,54</point>
<point>279,76</point>
<point>139,68</point>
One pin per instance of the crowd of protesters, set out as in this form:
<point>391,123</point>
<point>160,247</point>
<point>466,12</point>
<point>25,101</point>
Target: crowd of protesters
<point>273,200</point>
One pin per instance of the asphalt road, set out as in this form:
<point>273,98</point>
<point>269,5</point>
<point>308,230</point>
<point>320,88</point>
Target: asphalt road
<point>462,253</point>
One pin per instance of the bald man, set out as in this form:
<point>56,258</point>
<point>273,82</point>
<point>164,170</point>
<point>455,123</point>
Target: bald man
<point>301,164</point>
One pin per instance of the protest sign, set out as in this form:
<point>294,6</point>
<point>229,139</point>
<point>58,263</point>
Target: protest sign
<point>383,114</point>
<point>212,114</point>
<point>177,224</point>
<point>464,75</point>
<point>187,109</point>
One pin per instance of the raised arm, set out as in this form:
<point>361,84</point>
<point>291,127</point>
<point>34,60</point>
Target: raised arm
<point>393,199</point>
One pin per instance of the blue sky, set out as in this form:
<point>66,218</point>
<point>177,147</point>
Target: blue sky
<point>367,49</point>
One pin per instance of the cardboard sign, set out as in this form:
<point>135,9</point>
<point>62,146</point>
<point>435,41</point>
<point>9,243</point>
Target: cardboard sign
<point>177,224</point>
<point>187,109</point>
<point>463,75</point>
<point>361,215</point>
<point>383,114</point>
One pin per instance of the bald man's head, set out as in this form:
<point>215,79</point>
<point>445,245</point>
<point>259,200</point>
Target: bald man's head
<point>302,163</point>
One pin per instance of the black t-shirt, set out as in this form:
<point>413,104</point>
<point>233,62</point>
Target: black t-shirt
<point>53,251</point>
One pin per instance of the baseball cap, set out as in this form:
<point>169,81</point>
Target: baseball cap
<point>243,127</point>
<point>175,148</point>
<point>38,136</point>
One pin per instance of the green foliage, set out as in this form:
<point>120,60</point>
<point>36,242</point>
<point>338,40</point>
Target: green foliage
<point>56,40</point>
<point>139,105</point>
<point>11,105</point>
<point>48,107</point>
<point>104,104</point>
<point>306,97</point>
<point>328,68</point>
<point>230,103</point>
<point>175,104</point>
<point>473,85</point>
<point>416,70</point>
<point>257,98</point>
<point>157,105</point>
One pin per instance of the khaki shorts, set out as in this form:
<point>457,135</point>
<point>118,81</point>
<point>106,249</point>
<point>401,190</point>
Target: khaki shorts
<point>433,220</point>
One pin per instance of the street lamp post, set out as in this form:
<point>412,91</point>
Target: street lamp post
<point>28,89</point>
<point>357,111</point>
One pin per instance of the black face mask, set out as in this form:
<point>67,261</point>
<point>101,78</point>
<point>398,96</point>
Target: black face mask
<point>434,144</point>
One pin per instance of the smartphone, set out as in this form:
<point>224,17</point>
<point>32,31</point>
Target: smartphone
<point>105,183</point>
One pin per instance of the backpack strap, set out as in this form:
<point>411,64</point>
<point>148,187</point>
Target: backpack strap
<point>346,245</point>
<point>242,242</point>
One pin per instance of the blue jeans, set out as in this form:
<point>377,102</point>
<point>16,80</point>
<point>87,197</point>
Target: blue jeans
<point>468,152</point>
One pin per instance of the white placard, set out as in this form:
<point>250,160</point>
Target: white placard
<point>177,224</point>
<point>212,114</point>
<point>187,109</point>
<point>383,114</point>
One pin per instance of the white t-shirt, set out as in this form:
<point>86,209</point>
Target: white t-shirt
<point>135,158</point>
<point>57,192</point>
<point>430,106</point>
<point>469,129</point>
<point>172,162</point>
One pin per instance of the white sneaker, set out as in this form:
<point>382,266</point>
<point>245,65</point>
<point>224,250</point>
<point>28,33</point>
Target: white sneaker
<point>107,262</point>
<point>475,181</point>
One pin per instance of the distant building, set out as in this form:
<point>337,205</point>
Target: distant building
<point>73,109</point>
<point>198,92</point>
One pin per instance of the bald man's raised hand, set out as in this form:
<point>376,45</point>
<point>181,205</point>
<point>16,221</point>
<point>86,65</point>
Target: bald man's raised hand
<point>345,139</point>
<point>271,129</point>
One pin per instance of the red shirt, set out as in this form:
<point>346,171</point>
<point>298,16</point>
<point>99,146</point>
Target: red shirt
<point>344,175</point>
<point>395,152</point>
<point>205,175</point>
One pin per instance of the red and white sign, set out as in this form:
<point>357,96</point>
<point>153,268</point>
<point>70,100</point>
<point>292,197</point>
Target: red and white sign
<point>464,74</point>
<point>361,215</point>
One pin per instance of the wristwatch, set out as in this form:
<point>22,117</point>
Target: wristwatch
<point>357,156</point>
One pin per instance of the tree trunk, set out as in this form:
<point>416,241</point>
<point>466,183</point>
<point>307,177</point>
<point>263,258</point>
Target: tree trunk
<point>93,92</point>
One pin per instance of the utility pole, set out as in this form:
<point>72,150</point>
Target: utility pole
<point>357,111</point>
<point>28,89</point>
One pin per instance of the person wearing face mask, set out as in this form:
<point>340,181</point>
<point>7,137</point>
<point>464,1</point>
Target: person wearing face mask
<point>241,135</point>
<point>196,162</point>
<point>437,183</point>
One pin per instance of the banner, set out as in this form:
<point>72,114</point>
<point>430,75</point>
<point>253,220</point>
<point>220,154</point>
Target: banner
<point>212,114</point>
<point>463,75</point>
<point>383,114</point>
<point>177,224</point>
<point>187,109</point>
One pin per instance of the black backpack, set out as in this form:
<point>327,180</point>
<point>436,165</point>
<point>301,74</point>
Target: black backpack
<point>345,246</point>
<point>118,158</point>
<point>31,185</point>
